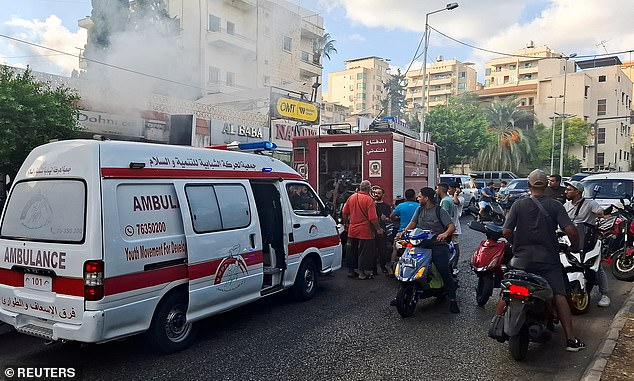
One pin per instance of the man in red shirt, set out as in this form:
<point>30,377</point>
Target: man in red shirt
<point>361,221</point>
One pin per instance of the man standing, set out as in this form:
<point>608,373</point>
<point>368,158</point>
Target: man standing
<point>446,201</point>
<point>383,211</point>
<point>585,211</point>
<point>458,202</point>
<point>360,219</point>
<point>429,216</point>
<point>555,190</point>
<point>487,196</point>
<point>403,213</point>
<point>532,223</point>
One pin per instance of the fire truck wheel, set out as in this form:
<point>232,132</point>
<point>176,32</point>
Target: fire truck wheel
<point>305,280</point>
<point>170,331</point>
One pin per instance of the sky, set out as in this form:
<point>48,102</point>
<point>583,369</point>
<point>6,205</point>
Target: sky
<point>391,29</point>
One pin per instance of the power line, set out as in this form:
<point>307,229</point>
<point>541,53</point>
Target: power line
<point>523,56</point>
<point>35,55</point>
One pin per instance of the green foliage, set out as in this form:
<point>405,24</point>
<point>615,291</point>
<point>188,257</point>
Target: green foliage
<point>511,147</point>
<point>394,101</point>
<point>577,135</point>
<point>459,129</point>
<point>109,17</point>
<point>31,114</point>
<point>324,46</point>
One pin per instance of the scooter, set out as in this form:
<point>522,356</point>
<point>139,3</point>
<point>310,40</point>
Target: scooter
<point>488,259</point>
<point>492,213</point>
<point>616,233</point>
<point>416,273</point>
<point>528,315</point>
<point>580,269</point>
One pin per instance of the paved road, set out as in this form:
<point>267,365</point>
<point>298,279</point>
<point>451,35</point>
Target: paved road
<point>347,332</point>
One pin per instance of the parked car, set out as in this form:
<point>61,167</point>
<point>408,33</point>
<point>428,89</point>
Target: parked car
<point>609,188</point>
<point>469,190</point>
<point>518,188</point>
<point>495,176</point>
<point>579,176</point>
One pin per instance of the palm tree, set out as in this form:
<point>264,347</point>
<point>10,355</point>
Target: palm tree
<point>510,147</point>
<point>323,46</point>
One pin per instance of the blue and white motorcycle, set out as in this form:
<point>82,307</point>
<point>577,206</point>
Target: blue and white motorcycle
<point>416,273</point>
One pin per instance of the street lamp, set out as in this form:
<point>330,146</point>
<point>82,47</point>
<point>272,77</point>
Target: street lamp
<point>448,7</point>
<point>563,115</point>
<point>552,144</point>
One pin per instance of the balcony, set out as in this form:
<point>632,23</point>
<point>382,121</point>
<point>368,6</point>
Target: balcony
<point>441,80</point>
<point>245,5</point>
<point>231,42</point>
<point>309,64</point>
<point>310,30</point>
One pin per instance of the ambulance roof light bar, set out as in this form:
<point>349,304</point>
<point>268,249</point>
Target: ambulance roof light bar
<point>255,146</point>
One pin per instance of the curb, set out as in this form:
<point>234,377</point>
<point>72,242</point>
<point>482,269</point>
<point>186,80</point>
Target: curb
<point>594,371</point>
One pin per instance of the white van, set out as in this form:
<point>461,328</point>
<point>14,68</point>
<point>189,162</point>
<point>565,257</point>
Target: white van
<point>609,188</point>
<point>102,240</point>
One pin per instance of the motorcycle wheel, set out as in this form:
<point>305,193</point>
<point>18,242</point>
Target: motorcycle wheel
<point>623,266</point>
<point>406,299</point>
<point>579,302</point>
<point>518,345</point>
<point>485,289</point>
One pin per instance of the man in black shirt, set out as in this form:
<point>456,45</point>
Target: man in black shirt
<point>535,246</point>
<point>555,190</point>
<point>383,211</point>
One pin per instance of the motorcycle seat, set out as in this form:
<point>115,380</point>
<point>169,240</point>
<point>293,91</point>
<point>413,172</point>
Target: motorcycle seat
<point>528,277</point>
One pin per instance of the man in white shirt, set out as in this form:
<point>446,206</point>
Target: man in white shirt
<point>581,211</point>
<point>458,201</point>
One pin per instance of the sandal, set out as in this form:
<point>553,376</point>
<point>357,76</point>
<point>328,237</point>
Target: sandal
<point>364,277</point>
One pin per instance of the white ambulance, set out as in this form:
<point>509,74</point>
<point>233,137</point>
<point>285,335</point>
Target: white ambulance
<point>100,239</point>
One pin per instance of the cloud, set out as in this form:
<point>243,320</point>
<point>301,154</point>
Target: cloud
<point>357,37</point>
<point>51,34</point>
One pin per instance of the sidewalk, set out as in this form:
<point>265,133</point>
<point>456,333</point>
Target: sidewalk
<point>614,360</point>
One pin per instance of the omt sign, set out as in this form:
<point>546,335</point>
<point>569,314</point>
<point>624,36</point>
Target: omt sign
<point>294,109</point>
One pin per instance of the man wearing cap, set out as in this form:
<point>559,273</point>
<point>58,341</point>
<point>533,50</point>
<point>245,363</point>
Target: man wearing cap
<point>585,211</point>
<point>532,223</point>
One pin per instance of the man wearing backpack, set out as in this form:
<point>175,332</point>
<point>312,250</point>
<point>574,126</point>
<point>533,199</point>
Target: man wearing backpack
<point>430,216</point>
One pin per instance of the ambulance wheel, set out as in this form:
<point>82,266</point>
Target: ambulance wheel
<point>170,332</point>
<point>305,280</point>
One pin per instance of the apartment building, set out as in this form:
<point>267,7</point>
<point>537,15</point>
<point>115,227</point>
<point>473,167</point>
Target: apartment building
<point>360,85</point>
<point>599,89</point>
<point>445,78</point>
<point>515,76</point>
<point>333,113</point>
<point>247,44</point>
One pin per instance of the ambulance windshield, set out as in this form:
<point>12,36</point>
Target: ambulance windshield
<point>46,210</point>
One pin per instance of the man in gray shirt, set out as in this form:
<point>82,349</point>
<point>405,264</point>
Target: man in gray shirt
<point>580,211</point>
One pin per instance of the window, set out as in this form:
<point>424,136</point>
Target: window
<point>214,74</point>
<point>530,101</point>
<point>586,91</point>
<point>360,96</point>
<point>360,76</point>
<point>231,28</point>
<point>511,67</point>
<point>463,75</point>
<point>304,56</point>
<point>38,210</point>
<point>487,71</point>
<point>267,80</point>
<point>231,79</point>
<point>303,200</point>
<point>218,207</point>
<point>462,86</point>
<point>361,86</point>
<point>528,64</point>
<point>601,158</point>
<point>527,77</point>
<point>602,78</point>
<point>288,44</point>
<point>214,23</point>
<point>602,106</point>
<point>601,135</point>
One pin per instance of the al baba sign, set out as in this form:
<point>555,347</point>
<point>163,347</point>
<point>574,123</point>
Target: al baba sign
<point>283,107</point>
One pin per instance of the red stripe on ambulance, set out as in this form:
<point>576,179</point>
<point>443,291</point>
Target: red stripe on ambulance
<point>155,173</point>
<point>320,243</point>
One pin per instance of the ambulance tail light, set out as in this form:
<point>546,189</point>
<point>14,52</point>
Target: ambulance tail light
<point>93,280</point>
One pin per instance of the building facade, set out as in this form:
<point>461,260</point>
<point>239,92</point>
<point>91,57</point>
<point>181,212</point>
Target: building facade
<point>593,95</point>
<point>445,78</point>
<point>360,86</point>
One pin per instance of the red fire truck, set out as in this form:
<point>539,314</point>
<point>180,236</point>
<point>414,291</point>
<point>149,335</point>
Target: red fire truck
<point>335,161</point>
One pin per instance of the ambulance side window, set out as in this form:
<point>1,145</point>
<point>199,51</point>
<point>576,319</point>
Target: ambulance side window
<point>218,207</point>
<point>303,200</point>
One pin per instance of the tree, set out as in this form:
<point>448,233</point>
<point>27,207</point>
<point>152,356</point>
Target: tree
<point>394,101</point>
<point>510,147</point>
<point>152,15</point>
<point>108,17</point>
<point>459,128</point>
<point>577,132</point>
<point>32,113</point>
<point>323,47</point>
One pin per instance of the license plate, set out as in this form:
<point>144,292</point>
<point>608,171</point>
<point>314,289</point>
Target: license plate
<point>38,282</point>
